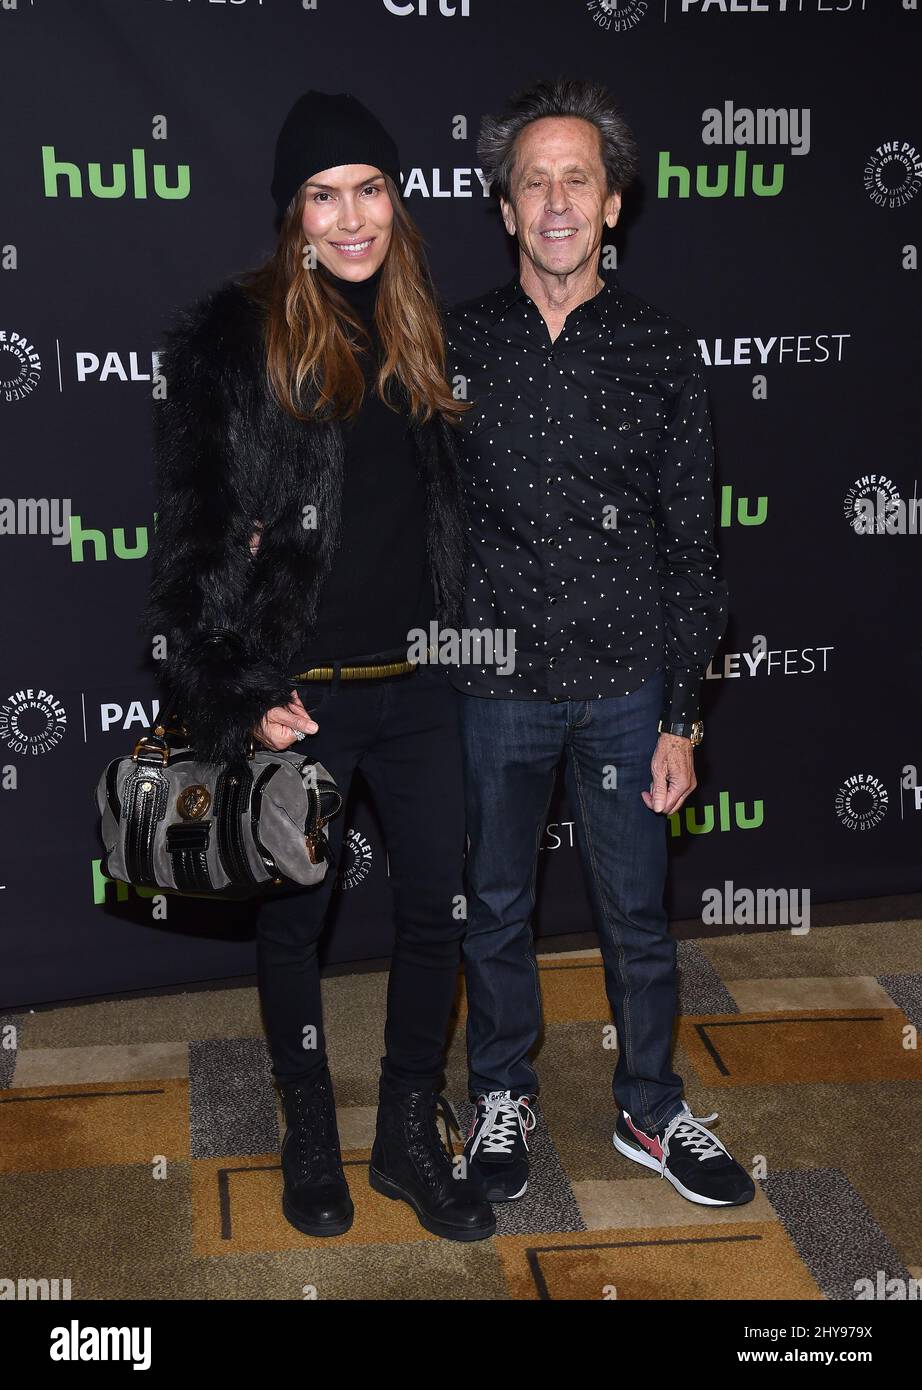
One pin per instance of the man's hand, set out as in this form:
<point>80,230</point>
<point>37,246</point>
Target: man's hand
<point>276,728</point>
<point>673,768</point>
<point>256,537</point>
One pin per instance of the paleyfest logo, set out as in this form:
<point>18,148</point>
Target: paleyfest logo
<point>616,16</point>
<point>20,365</point>
<point>32,721</point>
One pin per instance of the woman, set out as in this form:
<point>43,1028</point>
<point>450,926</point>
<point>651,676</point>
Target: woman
<point>309,517</point>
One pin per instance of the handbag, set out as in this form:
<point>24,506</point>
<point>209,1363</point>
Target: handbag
<point>255,824</point>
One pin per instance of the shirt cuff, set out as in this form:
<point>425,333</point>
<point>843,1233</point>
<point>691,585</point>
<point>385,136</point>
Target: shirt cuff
<point>682,694</point>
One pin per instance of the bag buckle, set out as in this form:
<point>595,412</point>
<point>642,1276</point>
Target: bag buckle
<point>150,745</point>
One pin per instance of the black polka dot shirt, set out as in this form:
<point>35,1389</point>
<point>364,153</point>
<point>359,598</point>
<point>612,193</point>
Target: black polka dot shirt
<point>588,476</point>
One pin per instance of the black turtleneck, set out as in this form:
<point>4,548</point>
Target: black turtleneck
<point>379,586</point>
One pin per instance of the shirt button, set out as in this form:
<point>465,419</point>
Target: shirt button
<point>550,482</point>
<point>552,661</point>
<point>625,425</point>
<point>552,599</point>
<point>551,541</point>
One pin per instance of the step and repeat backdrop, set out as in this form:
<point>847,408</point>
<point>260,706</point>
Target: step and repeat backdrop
<point>777,214</point>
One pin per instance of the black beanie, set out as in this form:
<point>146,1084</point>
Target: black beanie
<point>322,131</point>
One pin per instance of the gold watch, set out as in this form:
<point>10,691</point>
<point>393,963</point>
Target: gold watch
<point>693,731</point>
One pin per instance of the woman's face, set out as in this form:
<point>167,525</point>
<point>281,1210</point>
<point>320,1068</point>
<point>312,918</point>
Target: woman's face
<point>348,217</point>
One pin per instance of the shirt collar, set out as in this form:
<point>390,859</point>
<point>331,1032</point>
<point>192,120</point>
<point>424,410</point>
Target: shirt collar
<point>512,293</point>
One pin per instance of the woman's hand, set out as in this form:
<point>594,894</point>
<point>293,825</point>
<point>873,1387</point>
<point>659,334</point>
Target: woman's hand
<point>256,537</point>
<point>277,726</point>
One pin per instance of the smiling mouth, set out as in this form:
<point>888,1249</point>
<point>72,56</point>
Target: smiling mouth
<point>353,248</point>
<point>559,233</point>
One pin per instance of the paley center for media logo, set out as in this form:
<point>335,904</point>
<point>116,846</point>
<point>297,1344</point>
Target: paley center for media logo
<point>892,174</point>
<point>616,16</point>
<point>873,506</point>
<point>32,721</point>
<point>20,365</point>
<point>862,801</point>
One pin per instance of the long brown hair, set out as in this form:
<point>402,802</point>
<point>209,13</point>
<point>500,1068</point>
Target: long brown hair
<point>306,322</point>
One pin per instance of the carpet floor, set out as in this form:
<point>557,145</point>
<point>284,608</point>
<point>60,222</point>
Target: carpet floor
<point>139,1140</point>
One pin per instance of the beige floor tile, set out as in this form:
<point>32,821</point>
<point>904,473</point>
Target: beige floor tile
<point>810,992</point>
<point>636,1202</point>
<point>63,1066</point>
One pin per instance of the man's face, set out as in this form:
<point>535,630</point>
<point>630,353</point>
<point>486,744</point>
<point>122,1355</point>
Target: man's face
<point>559,206</point>
<point>348,217</point>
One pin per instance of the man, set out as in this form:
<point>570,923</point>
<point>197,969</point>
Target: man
<point>588,479</point>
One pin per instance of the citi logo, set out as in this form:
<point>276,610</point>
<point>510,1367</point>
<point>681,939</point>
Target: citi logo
<point>745,516</point>
<point>62,174</point>
<point>81,536</point>
<point>701,820</point>
<point>448,9</point>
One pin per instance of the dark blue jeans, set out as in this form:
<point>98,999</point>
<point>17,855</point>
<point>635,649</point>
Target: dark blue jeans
<point>511,751</point>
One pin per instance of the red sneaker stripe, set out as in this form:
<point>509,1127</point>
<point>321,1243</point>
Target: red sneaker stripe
<point>650,1143</point>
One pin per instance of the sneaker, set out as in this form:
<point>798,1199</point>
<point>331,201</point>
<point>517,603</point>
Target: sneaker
<point>689,1156</point>
<point>497,1146</point>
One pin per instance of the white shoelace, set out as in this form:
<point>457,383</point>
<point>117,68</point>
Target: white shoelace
<point>501,1117</point>
<point>691,1134</point>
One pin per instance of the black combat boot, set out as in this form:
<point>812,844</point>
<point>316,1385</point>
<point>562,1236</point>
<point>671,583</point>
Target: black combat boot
<point>410,1164</point>
<point>316,1198</point>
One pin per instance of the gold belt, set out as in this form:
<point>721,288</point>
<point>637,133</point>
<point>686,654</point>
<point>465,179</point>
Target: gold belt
<point>356,673</point>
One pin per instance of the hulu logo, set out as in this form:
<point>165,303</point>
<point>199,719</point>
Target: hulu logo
<point>714,181</point>
<point>719,817</point>
<point>100,882</point>
<point>743,515</point>
<point>121,550</point>
<point>116,184</point>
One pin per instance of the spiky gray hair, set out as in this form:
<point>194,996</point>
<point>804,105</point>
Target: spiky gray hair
<point>561,96</point>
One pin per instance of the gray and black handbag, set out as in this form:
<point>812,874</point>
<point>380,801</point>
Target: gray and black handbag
<point>171,821</point>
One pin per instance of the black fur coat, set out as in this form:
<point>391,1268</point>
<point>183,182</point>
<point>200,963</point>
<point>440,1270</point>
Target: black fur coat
<point>228,455</point>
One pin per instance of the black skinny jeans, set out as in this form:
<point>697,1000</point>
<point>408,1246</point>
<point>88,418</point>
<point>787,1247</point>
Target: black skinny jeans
<point>402,731</point>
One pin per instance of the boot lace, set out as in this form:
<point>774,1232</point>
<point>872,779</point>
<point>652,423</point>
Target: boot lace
<point>313,1120</point>
<point>424,1140</point>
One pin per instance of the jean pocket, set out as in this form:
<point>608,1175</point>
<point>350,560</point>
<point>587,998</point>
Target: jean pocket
<point>316,699</point>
